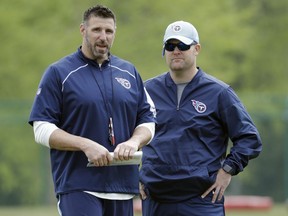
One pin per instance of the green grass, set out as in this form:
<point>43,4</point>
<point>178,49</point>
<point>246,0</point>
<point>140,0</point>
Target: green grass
<point>277,210</point>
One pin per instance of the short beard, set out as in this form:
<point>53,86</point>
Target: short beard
<point>94,52</point>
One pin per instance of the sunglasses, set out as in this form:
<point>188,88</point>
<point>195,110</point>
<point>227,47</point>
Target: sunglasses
<point>181,46</point>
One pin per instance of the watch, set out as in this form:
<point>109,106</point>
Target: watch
<point>228,169</point>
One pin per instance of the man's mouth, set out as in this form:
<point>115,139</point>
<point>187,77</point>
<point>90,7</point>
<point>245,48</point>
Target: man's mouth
<point>176,59</point>
<point>101,46</point>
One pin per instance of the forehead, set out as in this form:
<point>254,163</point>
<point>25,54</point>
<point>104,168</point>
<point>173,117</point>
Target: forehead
<point>99,22</point>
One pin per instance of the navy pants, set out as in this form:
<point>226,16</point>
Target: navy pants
<point>193,207</point>
<point>84,204</point>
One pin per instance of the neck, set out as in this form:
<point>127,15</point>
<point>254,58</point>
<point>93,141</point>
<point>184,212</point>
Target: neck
<point>88,54</point>
<point>183,76</point>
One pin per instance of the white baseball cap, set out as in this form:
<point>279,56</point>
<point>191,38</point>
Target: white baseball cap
<point>182,31</point>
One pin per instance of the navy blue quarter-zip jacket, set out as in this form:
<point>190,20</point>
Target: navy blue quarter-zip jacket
<point>191,138</point>
<point>79,96</point>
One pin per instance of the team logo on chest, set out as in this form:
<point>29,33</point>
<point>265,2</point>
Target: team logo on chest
<point>199,106</point>
<point>125,83</point>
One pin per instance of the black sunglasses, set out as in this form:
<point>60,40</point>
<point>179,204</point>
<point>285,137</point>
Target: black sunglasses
<point>181,46</point>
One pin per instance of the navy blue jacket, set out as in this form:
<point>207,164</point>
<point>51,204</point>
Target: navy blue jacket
<point>191,137</point>
<point>79,97</point>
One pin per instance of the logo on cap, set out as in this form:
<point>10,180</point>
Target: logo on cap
<point>177,28</point>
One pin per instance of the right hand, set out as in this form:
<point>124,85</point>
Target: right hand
<point>97,154</point>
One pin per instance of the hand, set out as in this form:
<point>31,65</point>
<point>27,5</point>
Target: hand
<point>97,154</point>
<point>222,181</point>
<point>125,150</point>
<point>143,195</point>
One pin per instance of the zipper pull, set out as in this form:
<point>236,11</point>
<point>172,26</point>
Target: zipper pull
<point>111,132</point>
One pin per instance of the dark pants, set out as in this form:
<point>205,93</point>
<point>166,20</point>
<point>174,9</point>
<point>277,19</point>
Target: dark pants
<point>193,207</point>
<point>84,204</point>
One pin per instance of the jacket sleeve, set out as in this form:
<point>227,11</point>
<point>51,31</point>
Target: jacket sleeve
<point>242,131</point>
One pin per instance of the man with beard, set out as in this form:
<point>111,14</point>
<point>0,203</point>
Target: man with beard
<point>92,106</point>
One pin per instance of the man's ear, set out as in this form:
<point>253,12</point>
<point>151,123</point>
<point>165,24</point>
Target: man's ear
<point>82,29</point>
<point>197,49</point>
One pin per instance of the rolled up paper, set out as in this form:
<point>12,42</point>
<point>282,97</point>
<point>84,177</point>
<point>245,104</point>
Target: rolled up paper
<point>135,160</point>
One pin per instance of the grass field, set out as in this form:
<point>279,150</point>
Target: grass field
<point>277,210</point>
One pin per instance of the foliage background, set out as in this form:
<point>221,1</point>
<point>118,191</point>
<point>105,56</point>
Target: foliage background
<point>244,43</point>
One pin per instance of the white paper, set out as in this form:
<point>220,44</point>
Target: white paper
<point>133,161</point>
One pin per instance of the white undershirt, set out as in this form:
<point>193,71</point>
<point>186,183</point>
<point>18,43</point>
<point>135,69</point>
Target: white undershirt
<point>111,196</point>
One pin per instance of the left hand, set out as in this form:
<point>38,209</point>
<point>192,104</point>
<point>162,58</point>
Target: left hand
<point>222,182</point>
<point>125,150</point>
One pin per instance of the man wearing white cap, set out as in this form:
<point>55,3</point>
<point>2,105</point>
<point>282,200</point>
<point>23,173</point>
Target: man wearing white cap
<point>185,169</point>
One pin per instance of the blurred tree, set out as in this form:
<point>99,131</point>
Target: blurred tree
<point>267,50</point>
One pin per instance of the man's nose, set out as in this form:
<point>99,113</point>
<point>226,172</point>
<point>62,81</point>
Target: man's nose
<point>103,35</point>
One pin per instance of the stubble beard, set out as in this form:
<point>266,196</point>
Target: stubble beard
<point>97,53</point>
<point>176,66</point>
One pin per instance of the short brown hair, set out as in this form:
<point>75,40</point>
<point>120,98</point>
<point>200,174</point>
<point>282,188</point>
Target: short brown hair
<point>98,11</point>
